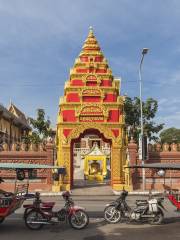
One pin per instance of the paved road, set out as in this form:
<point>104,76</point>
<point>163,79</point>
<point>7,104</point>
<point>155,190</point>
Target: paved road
<point>13,228</point>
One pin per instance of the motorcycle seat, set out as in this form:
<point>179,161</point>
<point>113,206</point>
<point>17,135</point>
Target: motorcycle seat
<point>27,205</point>
<point>48,204</point>
<point>141,202</point>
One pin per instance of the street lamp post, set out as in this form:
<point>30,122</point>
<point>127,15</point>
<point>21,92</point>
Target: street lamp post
<point>144,51</point>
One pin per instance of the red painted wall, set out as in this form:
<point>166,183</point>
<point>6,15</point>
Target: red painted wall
<point>77,82</point>
<point>66,132</point>
<point>84,59</point>
<point>115,132</point>
<point>113,116</point>
<point>72,97</point>
<point>98,59</point>
<point>69,115</point>
<point>106,83</point>
<point>110,97</point>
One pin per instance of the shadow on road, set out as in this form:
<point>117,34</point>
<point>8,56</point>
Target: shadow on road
<point>97,229</point>
<point>172,220</point>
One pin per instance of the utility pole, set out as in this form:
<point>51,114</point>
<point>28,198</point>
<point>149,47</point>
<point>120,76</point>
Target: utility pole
<point>141,145</point>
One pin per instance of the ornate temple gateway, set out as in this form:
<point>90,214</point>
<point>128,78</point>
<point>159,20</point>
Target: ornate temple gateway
<point>91,139</point>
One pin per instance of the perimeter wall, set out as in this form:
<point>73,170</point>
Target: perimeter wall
<point>166,153</point>
<point>22,153</point>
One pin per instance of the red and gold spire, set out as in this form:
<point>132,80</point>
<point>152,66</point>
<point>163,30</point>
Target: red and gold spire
<point>91,60</point>
<point>91,46</point>
<point>92,86</point>
<point>91,101</point>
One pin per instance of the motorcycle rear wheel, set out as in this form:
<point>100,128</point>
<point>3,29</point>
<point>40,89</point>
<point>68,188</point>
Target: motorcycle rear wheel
<point>79,219</point>
<point>158,219</point>
<point>2,219</point>
<point>31,216</point>
<point>112,215</point>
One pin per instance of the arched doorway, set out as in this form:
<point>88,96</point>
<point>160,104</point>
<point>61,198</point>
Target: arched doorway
<point>81,149</point>
<point>65,151</point>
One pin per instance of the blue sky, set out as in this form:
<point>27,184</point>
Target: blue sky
<point>41,39</point>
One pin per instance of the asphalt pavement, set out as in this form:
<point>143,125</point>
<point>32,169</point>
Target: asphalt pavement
<point>13,227</point>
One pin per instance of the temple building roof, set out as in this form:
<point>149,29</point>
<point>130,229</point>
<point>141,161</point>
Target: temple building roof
<point>14,114</point>
<point>95,151</point>
<point>14,110</point>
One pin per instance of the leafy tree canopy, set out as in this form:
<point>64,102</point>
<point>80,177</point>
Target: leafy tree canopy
<point>170,135</point>
<point>40,128</point>
<point>132,117</point>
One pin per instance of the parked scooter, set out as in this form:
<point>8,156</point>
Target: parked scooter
<point>150,210</point>
<point>40,213</point>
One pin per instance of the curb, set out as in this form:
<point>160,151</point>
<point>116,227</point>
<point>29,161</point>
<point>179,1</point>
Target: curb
<point>116,193</point>
<point>135,193</point>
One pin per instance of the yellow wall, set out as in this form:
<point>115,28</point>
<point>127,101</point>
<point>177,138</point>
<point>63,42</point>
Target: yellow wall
<point>5,127</point>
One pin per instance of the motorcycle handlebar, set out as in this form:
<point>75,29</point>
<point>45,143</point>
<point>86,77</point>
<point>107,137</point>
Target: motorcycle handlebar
<point>123,195</point>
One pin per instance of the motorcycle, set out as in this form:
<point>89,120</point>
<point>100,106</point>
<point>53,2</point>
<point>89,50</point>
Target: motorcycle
<point>40,213</point>
<point>150,210</point>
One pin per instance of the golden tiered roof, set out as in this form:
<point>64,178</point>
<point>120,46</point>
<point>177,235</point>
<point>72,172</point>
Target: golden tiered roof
<point>91,63</point>
<point>91,45</point>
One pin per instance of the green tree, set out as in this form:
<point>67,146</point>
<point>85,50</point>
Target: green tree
<point>132,117</point>
<point>170,135</point>
<point>40,128</point>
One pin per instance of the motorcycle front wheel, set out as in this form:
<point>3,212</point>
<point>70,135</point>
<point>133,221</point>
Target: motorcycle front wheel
<point>158,219</point>
<point>112,215</point>
<point>32,218</point>
<point>79,219</point>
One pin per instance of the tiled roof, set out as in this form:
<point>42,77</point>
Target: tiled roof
<point>16,120</point>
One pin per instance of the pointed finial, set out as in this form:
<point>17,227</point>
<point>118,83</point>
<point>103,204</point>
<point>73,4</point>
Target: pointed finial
<point>10,103</point>
<point>90,31</point>
<point>91,28</point>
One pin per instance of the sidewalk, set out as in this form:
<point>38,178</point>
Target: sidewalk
<point>134,193</point>
<point>101,190</point>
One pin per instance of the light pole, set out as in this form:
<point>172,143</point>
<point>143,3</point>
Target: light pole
<point>144,51</point>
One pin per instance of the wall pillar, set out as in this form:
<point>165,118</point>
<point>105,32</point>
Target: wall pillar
<point>50,160</point>
<point>132,150</point>
<point>119,175</point>
<point>64,160</point>
<point>117,180</point>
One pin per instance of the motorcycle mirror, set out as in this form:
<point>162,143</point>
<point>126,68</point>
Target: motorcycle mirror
<point>20,174</point>
<point>1,180</point>
<point>161,173</point>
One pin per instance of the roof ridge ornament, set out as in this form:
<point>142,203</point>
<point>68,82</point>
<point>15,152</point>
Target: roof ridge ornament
<point>91,28</point>
<point>91,32</point>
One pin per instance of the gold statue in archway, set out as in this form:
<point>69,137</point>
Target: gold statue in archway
<point>95,167</point>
